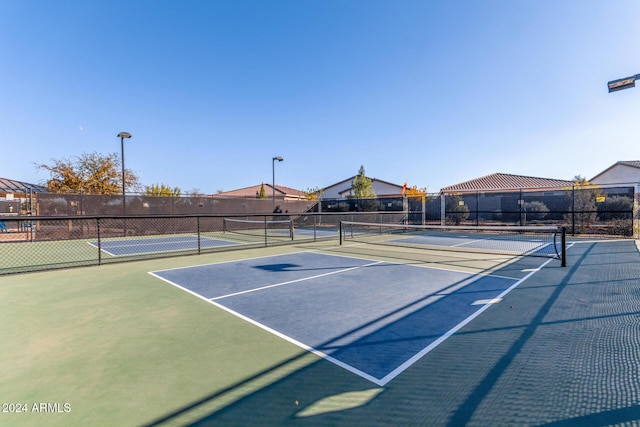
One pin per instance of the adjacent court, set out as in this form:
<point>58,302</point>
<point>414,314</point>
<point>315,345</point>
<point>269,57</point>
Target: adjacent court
<point>185,242</point>
<point>137,246</point>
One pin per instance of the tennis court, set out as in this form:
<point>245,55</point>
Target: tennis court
<point>366,316</point>
<point>318,333</point>
<point>161,244</point>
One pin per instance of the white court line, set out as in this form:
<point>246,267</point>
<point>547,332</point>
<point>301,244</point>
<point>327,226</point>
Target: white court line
<point>453,330</point>
<point>294,281</point>
<point>467,243</point>
<point>378,381</point>
<point>157,241</point>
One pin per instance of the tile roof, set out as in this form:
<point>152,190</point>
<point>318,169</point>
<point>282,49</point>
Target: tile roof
<point>632,163</point>
<point>503,181</point>
<point>255,189</point>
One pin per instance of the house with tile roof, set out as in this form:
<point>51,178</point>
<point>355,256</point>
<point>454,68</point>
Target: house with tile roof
<point>502,198</point>
<point>506,182</point>
<point>281,192</point>
<point>343,189</point>
<point>620,173</point>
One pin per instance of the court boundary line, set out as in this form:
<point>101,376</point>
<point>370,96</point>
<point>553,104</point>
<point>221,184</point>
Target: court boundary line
<point>511,259</point>
<point>395,372</point>
<point>150,239</point>
<point>542,244</point>
<point>279,334</point>
<point>289,282</point>
<point>407,364</point>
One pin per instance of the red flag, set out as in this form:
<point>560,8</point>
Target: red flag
<point>404,188</point>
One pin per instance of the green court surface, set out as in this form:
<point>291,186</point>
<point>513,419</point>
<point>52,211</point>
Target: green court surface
<point>113,345</point>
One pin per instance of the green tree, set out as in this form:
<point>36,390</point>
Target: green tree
<point>162,190</point>
<point>617,212</point>
<point>456,210</point>
<point>361,186</point>
<point>90,173</point>
<point>535,210</point>
<point>263,193</point>
<point>585,212</point>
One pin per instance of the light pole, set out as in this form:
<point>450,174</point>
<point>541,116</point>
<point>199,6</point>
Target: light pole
<point>273,173</point>
<point>122,136</point>
<point>614,86</point>
<point>621,84</point>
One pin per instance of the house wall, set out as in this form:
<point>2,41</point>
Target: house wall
<point>341,190</point>
<point>382,188</point>
<point>333,192</point>
<point>619,174</point>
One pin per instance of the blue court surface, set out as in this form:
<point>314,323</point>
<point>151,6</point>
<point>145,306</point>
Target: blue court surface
<point>137,246</point>
<point>374,318</point>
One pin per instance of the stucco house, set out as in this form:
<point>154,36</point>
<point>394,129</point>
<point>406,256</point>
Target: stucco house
<point>343,189</point>
<point>624,173</point>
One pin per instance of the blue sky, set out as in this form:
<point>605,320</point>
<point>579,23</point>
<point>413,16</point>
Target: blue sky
<point>428,92</point>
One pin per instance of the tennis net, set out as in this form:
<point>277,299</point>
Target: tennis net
<point>281,228</point>
<point>543,241</point>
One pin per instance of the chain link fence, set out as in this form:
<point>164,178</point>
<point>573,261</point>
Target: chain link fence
<point>584,211</point>
<point>50,204</point>
<point>56,231</point>
<point>32,243</point>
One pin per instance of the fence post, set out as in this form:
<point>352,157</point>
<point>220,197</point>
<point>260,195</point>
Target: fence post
<point>520,206</point>
<point>99,242</point>
<point>198,230</point>
<point>573,210</point>
<point>564,246</point>
<point>477,208</point>
<point>635,211</point>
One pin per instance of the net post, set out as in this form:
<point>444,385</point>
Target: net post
<point>340,232</point>
<point>564,246</point>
